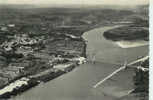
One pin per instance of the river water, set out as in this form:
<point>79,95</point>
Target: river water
<point>78,84</point>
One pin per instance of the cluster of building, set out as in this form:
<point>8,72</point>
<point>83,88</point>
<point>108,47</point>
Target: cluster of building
<point>21,43</point>
<point>61,54</point>
<point>18,43</point>
<point>9,73</point>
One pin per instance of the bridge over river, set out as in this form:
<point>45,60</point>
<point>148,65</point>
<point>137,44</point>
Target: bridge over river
<point>78,84</point>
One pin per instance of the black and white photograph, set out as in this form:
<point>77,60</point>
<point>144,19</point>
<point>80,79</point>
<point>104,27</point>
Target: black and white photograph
<point>74,49</point>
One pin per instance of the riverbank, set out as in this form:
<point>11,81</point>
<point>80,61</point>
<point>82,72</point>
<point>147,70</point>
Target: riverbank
<point>60,62</point>
<point>36,58</point>
<point>17,87</point>
<point>57,66</point>
<point>131,44</point>
<point>78,84</point>
<point>25,83</point>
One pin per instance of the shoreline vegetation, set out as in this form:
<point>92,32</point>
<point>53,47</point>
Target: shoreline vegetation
<point>133,35</point>
<point>129,36</point>
<point>40,44</point>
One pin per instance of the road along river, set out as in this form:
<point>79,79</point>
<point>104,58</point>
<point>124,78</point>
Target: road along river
<point>78,84</point>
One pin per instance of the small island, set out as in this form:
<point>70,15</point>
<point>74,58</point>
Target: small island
<point>132,35</point>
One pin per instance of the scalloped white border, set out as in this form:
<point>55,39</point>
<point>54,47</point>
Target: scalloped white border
<point>151,51</point>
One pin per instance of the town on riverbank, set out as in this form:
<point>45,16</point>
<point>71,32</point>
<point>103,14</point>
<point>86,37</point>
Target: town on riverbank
<point>40,44</point>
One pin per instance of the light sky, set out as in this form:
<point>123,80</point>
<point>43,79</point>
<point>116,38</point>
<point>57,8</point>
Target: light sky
<point>88,2</point>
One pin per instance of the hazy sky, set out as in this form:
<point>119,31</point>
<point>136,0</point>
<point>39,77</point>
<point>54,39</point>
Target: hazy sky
<point>89,2</point>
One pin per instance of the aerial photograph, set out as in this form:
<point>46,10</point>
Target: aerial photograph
<point>74,50</point>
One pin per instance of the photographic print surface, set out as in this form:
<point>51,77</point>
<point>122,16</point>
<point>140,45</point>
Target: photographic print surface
<point>74,49</point>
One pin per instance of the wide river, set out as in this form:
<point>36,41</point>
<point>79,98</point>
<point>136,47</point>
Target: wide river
<point>78,84</point>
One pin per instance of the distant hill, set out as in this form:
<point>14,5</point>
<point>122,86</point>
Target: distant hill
<point>16,6</point>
